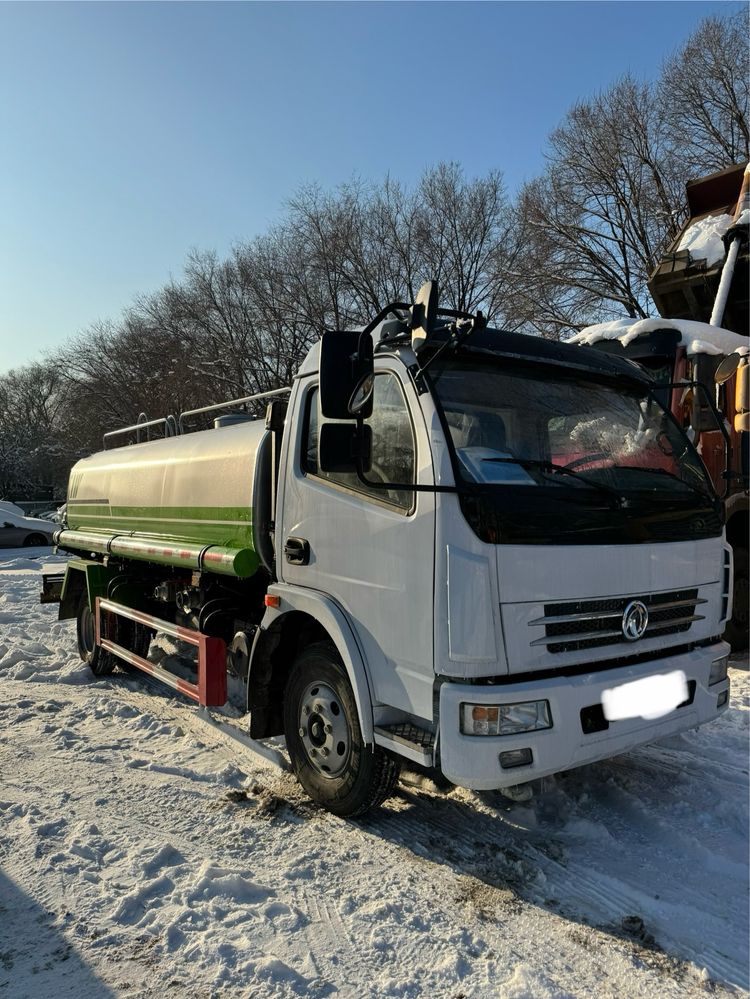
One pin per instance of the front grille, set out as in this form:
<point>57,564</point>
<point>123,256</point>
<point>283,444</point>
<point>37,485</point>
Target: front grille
<point>576,625</point>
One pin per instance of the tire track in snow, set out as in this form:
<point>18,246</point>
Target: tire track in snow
<point>516,862</point>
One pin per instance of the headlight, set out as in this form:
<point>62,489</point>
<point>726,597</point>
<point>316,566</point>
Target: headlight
<point>505,719</point>
<point>718,670</point>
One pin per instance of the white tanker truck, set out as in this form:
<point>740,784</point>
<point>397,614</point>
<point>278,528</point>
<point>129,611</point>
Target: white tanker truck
<point>486,554</point>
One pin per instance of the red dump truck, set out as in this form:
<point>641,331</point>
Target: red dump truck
<point>701,284</point>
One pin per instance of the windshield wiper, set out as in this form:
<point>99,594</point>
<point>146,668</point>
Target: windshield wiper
<point>550,466</point>
<point>663,471</point>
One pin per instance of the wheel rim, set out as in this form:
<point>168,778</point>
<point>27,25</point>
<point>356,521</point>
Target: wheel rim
<point>87,630</point>
<point>324,730</point>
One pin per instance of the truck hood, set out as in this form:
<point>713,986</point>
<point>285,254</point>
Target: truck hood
<point>563,606</point>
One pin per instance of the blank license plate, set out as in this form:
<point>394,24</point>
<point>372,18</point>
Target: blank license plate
<point>649,698</point>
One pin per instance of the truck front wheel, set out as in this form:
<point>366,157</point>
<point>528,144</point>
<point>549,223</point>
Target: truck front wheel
<point>324,739</point>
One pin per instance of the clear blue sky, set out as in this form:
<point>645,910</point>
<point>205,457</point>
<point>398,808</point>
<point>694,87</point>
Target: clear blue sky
<point>130,133</point>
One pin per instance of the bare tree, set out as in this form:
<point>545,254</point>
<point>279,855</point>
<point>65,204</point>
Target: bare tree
<point>612,198</point>
<point>464,228</point>
<point>33,453</point>
<point>605,207</point>
<point>366,245</point>
<point>704,90</point>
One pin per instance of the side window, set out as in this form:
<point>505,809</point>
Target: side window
<point>392,445</point>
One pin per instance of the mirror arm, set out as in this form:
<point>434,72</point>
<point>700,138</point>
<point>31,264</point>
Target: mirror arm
<point>394,308</point>
<point>460,332</point>
<point>719,423</point>
<point>412,487</point>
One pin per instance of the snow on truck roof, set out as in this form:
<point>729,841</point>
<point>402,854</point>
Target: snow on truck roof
<point>704,238</point>
<point>698,338</point>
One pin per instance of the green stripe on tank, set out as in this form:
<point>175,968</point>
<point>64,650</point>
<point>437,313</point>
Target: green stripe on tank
<point>227,526</point>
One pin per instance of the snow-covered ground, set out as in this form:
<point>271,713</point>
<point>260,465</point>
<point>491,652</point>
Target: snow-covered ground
<point>143,855</point>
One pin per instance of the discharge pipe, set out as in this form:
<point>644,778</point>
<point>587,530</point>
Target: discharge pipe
<point>736,235</point>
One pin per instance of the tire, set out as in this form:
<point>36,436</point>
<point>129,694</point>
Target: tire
<point>131,635</point>
<point>324,739</point>
<point>36,541</point>
<point>141,640</point>
<point>736,632</point>
<point>99,662</point>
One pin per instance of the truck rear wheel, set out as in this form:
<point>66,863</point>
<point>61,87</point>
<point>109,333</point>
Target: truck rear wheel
<point>324,739</point>
<point>136,637</point>
<point>132,636</point>
<point>736,632</point>
<point>98,661</point>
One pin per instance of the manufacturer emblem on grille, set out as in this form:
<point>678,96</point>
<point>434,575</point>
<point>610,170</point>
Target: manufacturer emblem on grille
<point>634,620</point>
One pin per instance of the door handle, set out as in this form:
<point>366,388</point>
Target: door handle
<point>297,551</point>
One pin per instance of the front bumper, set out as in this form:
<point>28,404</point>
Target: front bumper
<point>473,761</point>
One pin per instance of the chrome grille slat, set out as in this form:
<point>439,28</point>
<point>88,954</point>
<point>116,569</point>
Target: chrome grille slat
<point>575,625</point>
<point>661,625</point>
<point>584,636</point>
<point>598,615</point>
<point>564,618</point>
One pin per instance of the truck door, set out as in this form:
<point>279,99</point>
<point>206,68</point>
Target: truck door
<point>372,550</point>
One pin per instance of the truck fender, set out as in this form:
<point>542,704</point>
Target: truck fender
<point>326,612</point>
<point>736,503</point>
<point>82,574</point>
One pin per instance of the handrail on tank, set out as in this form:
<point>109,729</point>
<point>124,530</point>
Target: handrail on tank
<point>143,423</point>
<point>226,405</point>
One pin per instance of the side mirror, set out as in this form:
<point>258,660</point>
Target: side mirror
<point>704,369</point>
<point>424,315</point>
<point>343,447</point>
<point>739,364</point>
<point>701,417</point>
<point>345,364</point>
<point>727,368</point>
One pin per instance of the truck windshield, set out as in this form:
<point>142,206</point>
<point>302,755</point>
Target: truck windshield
<point>557,440</point>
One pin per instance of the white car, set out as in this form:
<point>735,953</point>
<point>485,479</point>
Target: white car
<point>18,530</point>
<point>7,507</point>
<point>56,514</point>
